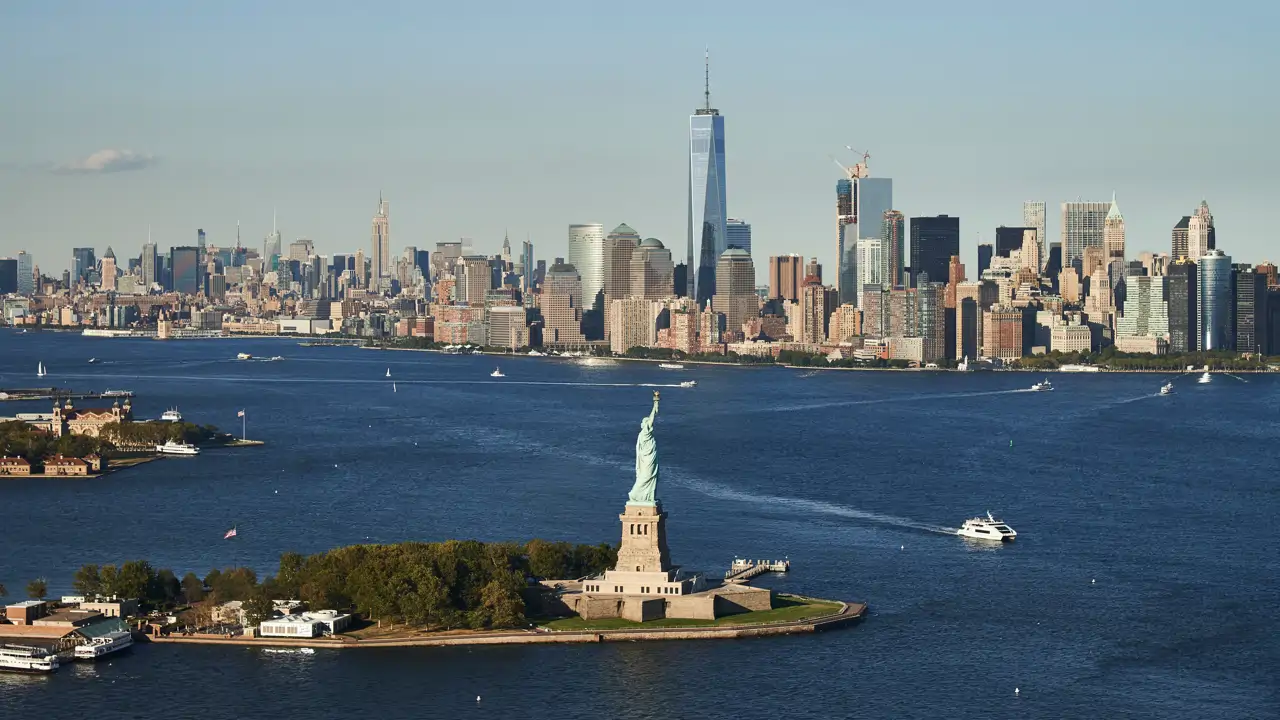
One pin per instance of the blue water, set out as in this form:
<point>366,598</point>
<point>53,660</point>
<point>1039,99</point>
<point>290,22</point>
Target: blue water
<point>1143,582</point>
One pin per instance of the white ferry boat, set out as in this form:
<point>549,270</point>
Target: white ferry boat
<point>171,415</point>
<point>497,372</point>
<point>1079,368</point>
<point>1205,379</point>
<point>1045,386</point>
<point>20,658</point>
<point>177,448</point>
<point>671,366</point>
<point>1166,389</point>
<point>110,642</point>
<point>986,529</point>
<point>116,393</point>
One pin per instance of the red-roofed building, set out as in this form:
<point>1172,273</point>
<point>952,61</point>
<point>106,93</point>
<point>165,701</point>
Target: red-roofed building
<point>14,466</point>
<point>59,465</point>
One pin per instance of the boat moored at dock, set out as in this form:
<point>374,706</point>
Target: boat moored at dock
<point>22,658</point>
<point>112,641</point>
<point>177,448</point>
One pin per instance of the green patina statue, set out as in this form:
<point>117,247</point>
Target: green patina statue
<point>643,492</point>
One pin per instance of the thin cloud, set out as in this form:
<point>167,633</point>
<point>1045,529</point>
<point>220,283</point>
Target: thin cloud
<point>108,161</point>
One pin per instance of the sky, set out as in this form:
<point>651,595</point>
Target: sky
<point>479,119</point>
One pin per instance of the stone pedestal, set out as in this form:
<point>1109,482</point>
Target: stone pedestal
<point>644,540</point>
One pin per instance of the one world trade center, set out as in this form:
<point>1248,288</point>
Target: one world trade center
<point>707,213</point>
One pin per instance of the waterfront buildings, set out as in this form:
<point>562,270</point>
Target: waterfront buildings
<point>109,270</point>
<point>735,290</point>
<point>1250,311</point>
<point>562,306</point>
<point>871,263</point>
<point>586,255</point>
<point>861,204</point>
<point>380,240</point>
<point>634,323</point>
<point>985,253</point>
<point>508,327</point>
<point>708,215</point>
<point>8,275</point>
<point>652,272</point>
<point>473,279</point>
<point>1182,287</point>
<point>738,234</point>
<point>619,247</point>
<point>184,270</point>
<point>1113,243</point>
<point>786,277</point>
<point>1002,333</point>
<point>82,264</point>
<point>150,260</point>
<point>817,302</point>
<point>894,246</point>
<point>26,276</point>
<point>1217,323</point>
<point>1144,327</point>
<point>1082,227</point>
<point>933,241</point>
<point>1034,215</point>
<point>526,267</point>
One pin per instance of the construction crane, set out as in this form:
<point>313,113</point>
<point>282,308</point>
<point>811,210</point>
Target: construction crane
<point>859,170</point>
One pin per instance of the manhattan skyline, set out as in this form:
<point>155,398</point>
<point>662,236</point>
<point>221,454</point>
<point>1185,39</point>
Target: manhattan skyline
<point>114,138</point>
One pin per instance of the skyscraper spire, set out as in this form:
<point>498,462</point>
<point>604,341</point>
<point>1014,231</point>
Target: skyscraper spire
<point>706,92</point>
<point>273,221</point>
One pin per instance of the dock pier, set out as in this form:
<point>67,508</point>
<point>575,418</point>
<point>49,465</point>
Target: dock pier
<point>743,570</point>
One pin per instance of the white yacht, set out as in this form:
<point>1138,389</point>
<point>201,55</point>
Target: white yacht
<point>111,642</point>
<point>1166,389</point>
<point>497,372</point>
<point>20,658</point>
<point>689,384</point>
<point>276,358</point>
<point>244,356</point>
<point>986,529</point>
<point>1205,379</point>
<point>671,366</point>
<point>177,448</point>
<point>1045,386</point>
<point>171,415</point>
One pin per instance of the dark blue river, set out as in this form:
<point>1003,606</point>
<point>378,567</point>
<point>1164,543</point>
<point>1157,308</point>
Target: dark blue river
<point>1143,583</point>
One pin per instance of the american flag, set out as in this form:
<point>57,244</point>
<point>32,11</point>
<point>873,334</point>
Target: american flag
<point>230,534</point>
<point>240,414</point>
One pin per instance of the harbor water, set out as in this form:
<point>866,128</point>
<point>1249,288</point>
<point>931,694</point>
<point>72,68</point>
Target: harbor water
<point>1143,582</point>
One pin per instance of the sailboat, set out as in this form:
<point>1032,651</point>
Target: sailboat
<point>388,372</point>
<point>40,371</point>
<point>393,387</point>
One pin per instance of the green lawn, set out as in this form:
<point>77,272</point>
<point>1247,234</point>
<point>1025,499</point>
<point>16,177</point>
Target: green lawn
<point>786,608</point>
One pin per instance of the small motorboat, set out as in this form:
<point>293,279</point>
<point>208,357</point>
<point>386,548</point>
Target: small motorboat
<point>244,356</point>
<point>1166,389</point>
<point>93,361</point>
<point>497,372</point>
<point>689,384</point>
<point>276,358</point>
<point>1045,386</point>
<point>1205,379</point>
<point>987,528</point>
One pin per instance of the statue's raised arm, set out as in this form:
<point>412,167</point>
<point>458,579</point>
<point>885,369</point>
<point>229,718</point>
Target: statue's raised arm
<point>645,489</point>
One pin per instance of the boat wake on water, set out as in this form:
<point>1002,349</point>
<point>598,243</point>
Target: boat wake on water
<point>878,401</point>
<point>379,381</point>
<point>819,507</point>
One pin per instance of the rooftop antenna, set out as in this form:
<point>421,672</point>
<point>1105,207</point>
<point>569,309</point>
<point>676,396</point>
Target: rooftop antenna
<point>273,221</point>
<point>707,79</point>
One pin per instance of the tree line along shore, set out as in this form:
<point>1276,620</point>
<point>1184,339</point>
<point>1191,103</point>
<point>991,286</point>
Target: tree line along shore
<point>451,585</point>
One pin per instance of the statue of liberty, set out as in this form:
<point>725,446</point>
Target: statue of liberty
<point>642,493</point>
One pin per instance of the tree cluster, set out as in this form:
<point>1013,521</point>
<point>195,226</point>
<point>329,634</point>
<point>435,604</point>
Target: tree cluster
<point>18,439</point>
<point>151,433</point>
<point>453,584</point>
